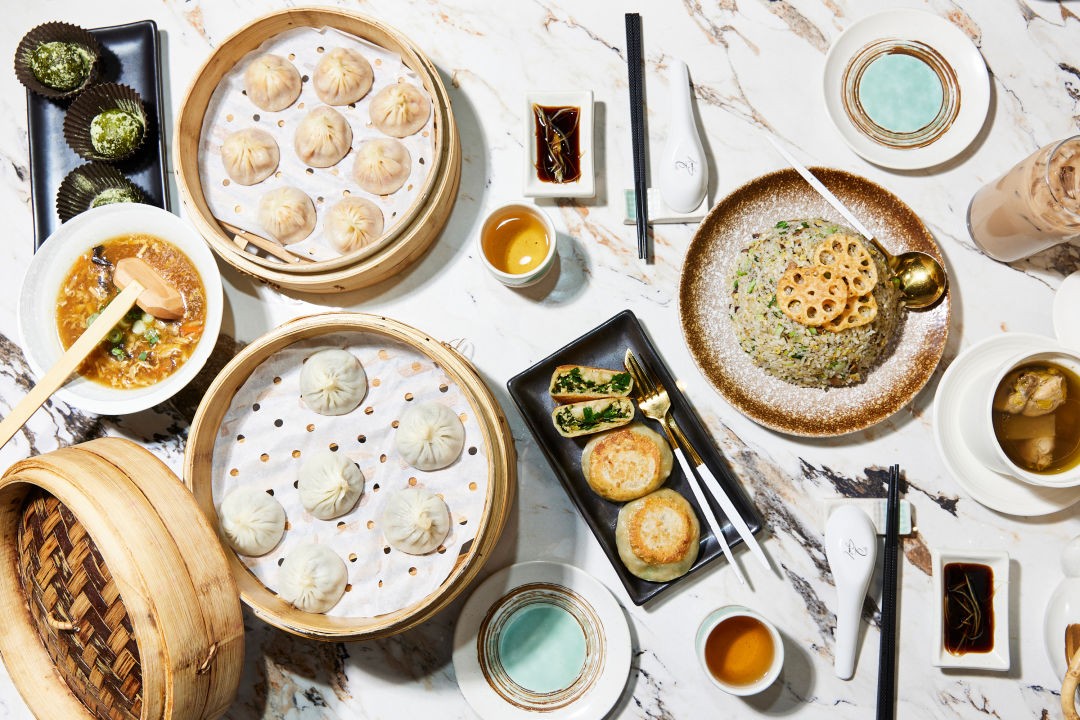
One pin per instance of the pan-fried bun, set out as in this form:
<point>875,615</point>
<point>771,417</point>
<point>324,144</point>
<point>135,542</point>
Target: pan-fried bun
<point>658,536</point>
<point>626,463</point>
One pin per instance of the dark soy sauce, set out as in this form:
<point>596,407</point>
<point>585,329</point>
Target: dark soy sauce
<point>969,608</point>
<point>558,151</point>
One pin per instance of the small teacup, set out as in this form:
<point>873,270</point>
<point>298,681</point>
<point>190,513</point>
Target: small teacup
<point>978,429</point>
<point>532,260</point>
<point>740,651</point>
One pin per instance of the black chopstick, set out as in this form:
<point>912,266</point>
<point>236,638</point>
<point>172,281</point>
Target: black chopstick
<point>634,68</point>
<point>886,689</point>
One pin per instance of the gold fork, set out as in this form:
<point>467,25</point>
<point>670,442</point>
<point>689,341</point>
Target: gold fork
<point>655,405</point>
<point>656,397</point>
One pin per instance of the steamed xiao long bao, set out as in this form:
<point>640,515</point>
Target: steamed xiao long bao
<point>323,137</point>
<point>342,77</point>
<point>415,521</point>
<point>287,214</point>
<point>400,110</point>
<point>382,166</point>
<point>249,155</point>
<point>330,484</point>
<point>252,520</point>
<point>272,82</point>
<point>312,578</point>
<point>354,223</point>
<point>430,436</point>
<point>332,381</point>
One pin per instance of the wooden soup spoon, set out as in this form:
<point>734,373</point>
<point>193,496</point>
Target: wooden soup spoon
<point>140,285</point>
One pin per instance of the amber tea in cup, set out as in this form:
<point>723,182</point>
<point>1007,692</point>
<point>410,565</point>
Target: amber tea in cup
<point>741,651</point>
<point>517,243</point>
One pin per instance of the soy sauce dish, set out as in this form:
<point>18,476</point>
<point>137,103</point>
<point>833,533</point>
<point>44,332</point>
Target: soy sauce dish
<point>971,591</point>
<point>144,361</point>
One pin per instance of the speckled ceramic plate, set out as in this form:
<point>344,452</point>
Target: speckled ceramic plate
<point>710,335</point>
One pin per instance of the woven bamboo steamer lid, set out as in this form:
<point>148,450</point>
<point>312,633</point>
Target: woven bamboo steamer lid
<point>425,218</point>
<point>499,447</point>
<point>161,574</point>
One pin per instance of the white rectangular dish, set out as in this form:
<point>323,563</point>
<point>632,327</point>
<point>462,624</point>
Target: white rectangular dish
<point>998,657</point>
<point>585,185</point>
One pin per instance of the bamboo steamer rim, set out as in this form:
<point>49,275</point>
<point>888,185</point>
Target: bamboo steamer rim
<point>498,443</point>
<point>191,661</point>
<point>349,271</point>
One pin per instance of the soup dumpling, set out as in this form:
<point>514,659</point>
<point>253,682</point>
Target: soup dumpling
<point>382,166</point>
<point>272,82</point>
<point>312,578</point>
<point>249,155</point>
<point>354,223</point>
<point>430,436</point>
<point>333,382</point>
<point>330,484</point>
<point>415,521</point>
<point>342,77</point>
<point>287,214</point>
<point>252,520</point>
<point>323,137</point>
<point>400,110</point>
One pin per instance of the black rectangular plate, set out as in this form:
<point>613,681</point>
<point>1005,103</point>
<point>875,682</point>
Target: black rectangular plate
<point>131,56</point>
<point>605,347</point>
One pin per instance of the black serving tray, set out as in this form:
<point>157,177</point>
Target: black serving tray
<point>131,55</point>
<point>605,347</point>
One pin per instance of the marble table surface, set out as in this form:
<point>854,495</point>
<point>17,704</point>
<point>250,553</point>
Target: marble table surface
<point>755,64</point>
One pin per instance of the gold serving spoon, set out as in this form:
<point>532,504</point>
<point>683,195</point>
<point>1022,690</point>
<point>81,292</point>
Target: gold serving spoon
<point>919,276</point>
<point>140,285</point>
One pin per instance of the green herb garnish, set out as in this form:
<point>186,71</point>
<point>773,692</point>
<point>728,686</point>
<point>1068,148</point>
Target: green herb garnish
<point>782,224</point>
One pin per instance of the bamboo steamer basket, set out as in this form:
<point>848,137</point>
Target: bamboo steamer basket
<point>423,221</point>
<point>499,446</point>
<point>119,602</point>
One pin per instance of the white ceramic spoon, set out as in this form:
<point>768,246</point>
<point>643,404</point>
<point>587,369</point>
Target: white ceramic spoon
<point>684,174</point>
<point>851,549</point>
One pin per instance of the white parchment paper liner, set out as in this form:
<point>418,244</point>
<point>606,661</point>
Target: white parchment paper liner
<point>268,431</point>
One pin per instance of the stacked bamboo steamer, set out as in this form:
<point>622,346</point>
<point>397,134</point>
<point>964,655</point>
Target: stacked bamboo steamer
<point>118,601</point>
<point>420,224</point>
<point>498,446</point>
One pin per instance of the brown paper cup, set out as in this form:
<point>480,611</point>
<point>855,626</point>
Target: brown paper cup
<point>55,32</point>
<point>91,185</point>
<point>96,100</point>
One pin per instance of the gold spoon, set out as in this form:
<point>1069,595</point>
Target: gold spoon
<point>139,284</point>
<point>920,277</point>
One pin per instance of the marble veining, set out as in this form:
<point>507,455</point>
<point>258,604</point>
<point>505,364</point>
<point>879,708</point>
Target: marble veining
<point>755,65</point>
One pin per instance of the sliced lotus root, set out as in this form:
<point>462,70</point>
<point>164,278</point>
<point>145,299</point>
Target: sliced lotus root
<point>858,311</point>
<point>849,254</point>
<point>811,295</point>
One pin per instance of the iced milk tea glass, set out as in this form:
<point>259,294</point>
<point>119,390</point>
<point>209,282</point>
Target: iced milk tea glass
<point>1032,207</point>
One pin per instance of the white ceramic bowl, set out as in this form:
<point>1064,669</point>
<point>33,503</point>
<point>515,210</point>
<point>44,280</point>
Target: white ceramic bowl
<point>979,426</point>
<point>37,301</point>
<point>535,275</point>
<point>725,613</point>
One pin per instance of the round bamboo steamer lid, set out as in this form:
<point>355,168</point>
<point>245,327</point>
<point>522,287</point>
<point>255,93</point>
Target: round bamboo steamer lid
<point>161,566</point>
<point>414,234</point>
<point>498,442</point>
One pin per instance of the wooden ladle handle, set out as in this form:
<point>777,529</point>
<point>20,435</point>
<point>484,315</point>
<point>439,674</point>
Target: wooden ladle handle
<point>1068,688</point>
<point>69,361</point>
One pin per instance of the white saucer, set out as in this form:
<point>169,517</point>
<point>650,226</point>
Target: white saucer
<point>998,492</point>
<point>492,690</point>
<point>957,50</point>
